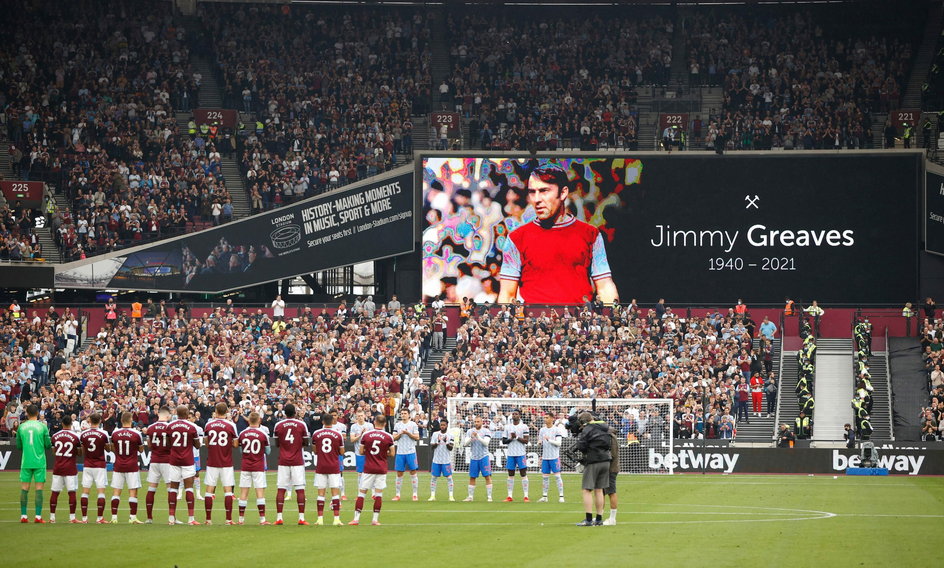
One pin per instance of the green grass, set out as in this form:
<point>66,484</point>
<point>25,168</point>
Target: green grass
<point>704,521</point>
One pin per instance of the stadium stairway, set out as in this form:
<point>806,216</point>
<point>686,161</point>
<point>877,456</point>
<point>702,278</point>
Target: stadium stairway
<point>211,96</point>
<point>436,357</point>
<point>234,178</point>
<point>50,250</point>
<point>760,428</point>
<point>440,65</point>
<point>786,395</point>
<point>420,134</point>
<point>832,388</point>
<point>878,129</point>
<point>881,416</point>
<point>922,60</point>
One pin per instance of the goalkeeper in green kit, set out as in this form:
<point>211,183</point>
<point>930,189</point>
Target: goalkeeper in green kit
<point>32,437</point>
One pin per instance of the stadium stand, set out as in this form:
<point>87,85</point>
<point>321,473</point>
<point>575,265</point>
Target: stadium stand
<point>341,360</point>
<point>932,348</point>
<point>332,106</point>
<point>587,352</point>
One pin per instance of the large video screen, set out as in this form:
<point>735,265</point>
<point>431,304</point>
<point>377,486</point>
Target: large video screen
<point>934,210</point>
<point>691,228</point>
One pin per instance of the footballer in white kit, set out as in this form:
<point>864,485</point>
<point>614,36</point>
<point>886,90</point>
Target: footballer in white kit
<point>551,437</point>
<point>515,438</point>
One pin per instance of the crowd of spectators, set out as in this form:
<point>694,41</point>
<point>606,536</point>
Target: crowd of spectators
<point>932,349</point>
<point>89,105</point>
<point>251,359</point>
<point>797,80</point>
<point>546,81</point>
<point>563,352</point>
<point>18,240</point>
<point>333,90</point>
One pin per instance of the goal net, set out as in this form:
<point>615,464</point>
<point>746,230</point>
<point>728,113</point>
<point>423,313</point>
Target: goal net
<point>644,428</point>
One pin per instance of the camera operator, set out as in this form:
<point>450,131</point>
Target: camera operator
<point>594,443</point>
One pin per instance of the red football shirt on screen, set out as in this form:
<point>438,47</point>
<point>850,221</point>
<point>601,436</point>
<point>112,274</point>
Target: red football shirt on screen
<point>556,265</point>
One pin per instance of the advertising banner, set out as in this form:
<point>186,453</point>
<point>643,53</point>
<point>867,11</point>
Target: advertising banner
<point>688,227</point>
<point>899,460</point>
<point>370,221</point>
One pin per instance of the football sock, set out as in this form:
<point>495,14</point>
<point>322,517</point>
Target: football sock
<point>358,506</point>
<point>336,506</point>
<point>208,505</point>
<point>72,504</point>
<point>342,484</point>
<point>613,514</point>
<point>228,504</point>
<point>300,499</point>
<point>149,501</point>
<point>589,517</point>
<point>101,505</point>
<point>472,492</point>
<point>133,505</point>
<point>260,504</point>
<point>378,502</point>
<point>599,518</point>
<point>172,502</point>
<point>560,485</point>
<point>190,501</point>
<point>279,503</point>
<point>525,483</point>
<point>24,500</point>
<point>488,490</point>
<point>415,481</point>
<point>451,484</point>
<point>399,485</point>
<point>545,482</point>
<point>242,509</point>
<point>38,503</point>
<point>53,501</point>
<point>84,507</point>
<point>321,505</point>
<point>511,485</point>
<point>115,500</point>
<point>432,486</point>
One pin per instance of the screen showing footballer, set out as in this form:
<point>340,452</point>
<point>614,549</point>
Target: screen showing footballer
<point>689,227</point>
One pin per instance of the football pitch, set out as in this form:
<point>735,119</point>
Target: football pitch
<point>708,520</point>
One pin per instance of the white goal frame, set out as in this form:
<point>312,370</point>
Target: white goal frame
<point>636,452</point>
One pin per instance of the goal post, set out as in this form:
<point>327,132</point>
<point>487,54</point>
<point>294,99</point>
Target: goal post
<point>644,428</point>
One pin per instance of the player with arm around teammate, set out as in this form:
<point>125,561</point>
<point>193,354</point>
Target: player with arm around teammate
<point>376,446</point>
<point>441,443</point>
<point>406,433</point>
<point>32,437</point>
<point>221,438</point>
<point>477,439</point>
<point>291,437</point>
<point>254,443</point>
<point>515,439</point>
<point>184,438</point>
<point>159,468</point>
<point>65,473</point>
<point>127,444</point>
<point>328,445</point>
<point>551,438</point>
<point>340,428</point>
<point>95,442</point>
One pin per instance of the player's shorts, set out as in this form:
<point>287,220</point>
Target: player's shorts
<point>65,482</point>
<point>178,473</point>
<point>219,476</point>
<point>128,479</point>
<point>94,475</point>
<point>405,462</point>
<point>550,466</point>
<point>611,488</point>
<point>327,480</point>
<point>441,470</point>
<point>359,463</point>
<point>290,476</point>
<point>375,481</point>
<point>37,474</point>
<point>516,462</point>
<point>158,472</point>
<point>481,467</point>
<point>255,479</point>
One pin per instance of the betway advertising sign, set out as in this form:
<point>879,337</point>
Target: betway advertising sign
<point>898,461</point>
